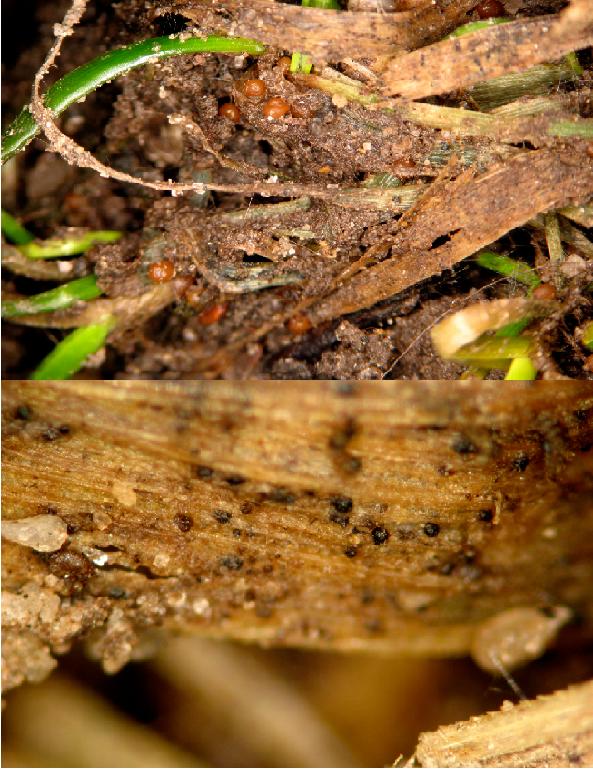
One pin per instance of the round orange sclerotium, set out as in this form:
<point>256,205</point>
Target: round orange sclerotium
<point>230,112</point>
<point>161,272</point>
<point>276,108</point>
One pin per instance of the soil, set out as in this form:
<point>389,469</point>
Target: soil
<point>342,281</point>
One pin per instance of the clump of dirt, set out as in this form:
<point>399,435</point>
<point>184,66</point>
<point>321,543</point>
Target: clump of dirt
<point>348,216</point>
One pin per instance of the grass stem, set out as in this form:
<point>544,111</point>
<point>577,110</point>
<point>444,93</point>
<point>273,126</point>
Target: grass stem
<point>85,79</point>
<point>70,354</point>
<point>55,299</point>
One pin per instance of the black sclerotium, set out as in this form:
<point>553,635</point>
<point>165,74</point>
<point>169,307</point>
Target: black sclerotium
<point>520,462</point>
<point>342,504</point>
<point>380,535</point>
<point>463,445</point>
<point>222,517</point>
<point>431,529</point>
<point>232,562</point>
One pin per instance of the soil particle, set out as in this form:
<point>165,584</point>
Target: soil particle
<point>44,533</point>
<point>29,606</point>
<point>360,355</point>
<point>72,566</point>
<point>24,658</point>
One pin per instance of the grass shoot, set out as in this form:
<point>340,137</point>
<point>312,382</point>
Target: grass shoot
<point>510,268</point>
<point>13,231</point>
<point>83,80</point>
<point>81,289</point>
<point>68,247</point>
<point>71,353</point>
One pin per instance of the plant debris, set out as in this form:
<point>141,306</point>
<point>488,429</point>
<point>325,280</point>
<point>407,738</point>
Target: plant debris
<point>324,227</point>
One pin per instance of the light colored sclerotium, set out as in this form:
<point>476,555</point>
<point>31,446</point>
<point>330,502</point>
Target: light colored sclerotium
<point>514,637</point>
<point>45,533</point>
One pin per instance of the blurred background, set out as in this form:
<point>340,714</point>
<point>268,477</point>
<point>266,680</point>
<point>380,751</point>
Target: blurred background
<point>213,703</point>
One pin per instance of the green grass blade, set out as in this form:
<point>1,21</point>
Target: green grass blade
<point>513,329</point>
<point>384,180</point>
<point>55,299</point>
<point>588,335</point>
<point>329,4</point>
<point>87,78</point>
<point>300,62</point>
<point>14,231</point>
<point>68,247</point>
<point>476,26</point>
<point>70,354</point>
<point>582,128</point>
<point>521,369</point>
<point>534,81</point>
<point>489,349</point>
<point>509,268</point>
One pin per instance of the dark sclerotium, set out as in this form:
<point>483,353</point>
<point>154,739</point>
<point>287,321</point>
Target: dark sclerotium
<point>222,517</point>
<point>342,436</point>
<point>203,472</point>
<point>367,596</point>
<point>445,470</point>
<point>345,388</point>
<point>463,446</point>
<point>486,516</point>
<point>23,412</point>
<point>341,504</point>
<point>520,462</point>
<point>232,562</point>
<point>235,479</point>
<point>350,552</point>
<point>351,464</point>
<point>281,495</point>
<point>431,529</point>
<point>373,626</point>
<point>54,433</point>
<point>380,535</point>
<point>183,522</point>
<point>341,519</point>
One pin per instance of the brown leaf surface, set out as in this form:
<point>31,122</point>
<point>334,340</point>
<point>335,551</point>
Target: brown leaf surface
<point>552,731</point>
<point>449,223</point>
<point>461,62</point>
<point>391,518</point>
<point>325,35</point>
